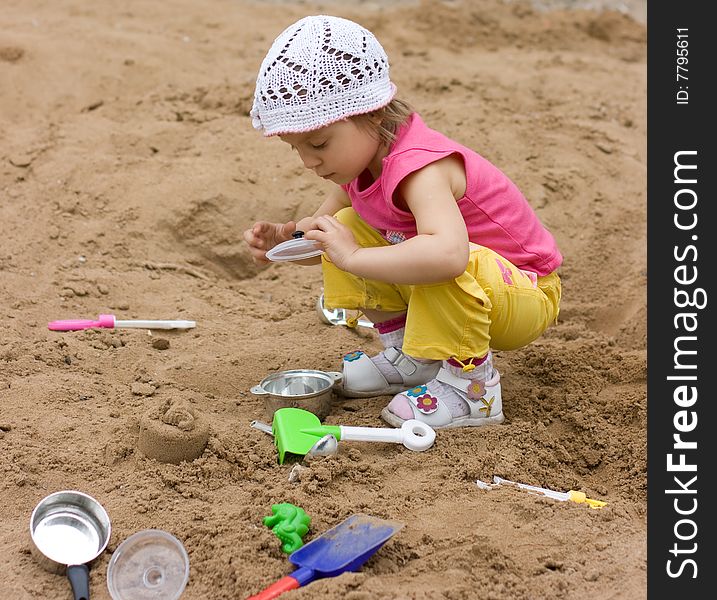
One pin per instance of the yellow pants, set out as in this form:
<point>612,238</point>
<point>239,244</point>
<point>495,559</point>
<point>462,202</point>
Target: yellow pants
<point>492,305</point>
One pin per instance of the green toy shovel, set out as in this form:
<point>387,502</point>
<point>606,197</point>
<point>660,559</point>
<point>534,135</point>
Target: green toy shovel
<point>287,429</point>
<point>296,431</point>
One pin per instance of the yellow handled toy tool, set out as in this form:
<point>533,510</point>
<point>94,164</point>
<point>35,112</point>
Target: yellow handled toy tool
<point>571,495</point>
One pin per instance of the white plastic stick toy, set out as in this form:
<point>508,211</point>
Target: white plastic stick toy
<point>572,495</point>
<point>413,434</point>
<point>109,322</point>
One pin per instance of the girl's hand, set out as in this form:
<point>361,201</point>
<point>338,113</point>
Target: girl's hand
<point>338,240</point>
<point>264,236</point>
<point>306,224</point>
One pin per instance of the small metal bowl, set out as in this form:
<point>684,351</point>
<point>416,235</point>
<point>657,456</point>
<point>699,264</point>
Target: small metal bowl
<point>298,388</point>
<point>68,528</point>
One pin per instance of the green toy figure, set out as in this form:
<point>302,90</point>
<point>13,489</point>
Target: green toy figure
<point>290,524</point>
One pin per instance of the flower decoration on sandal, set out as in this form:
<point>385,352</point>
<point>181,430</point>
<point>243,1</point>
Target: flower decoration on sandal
<point>476,389</point>
<point>417,391</point>
<point>352,356</point>
<point>427,403</point>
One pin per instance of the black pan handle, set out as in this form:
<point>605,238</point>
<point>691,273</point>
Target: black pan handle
<point>79,576</point>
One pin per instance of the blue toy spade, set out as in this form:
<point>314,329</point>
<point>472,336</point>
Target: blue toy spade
<point>345,547</point>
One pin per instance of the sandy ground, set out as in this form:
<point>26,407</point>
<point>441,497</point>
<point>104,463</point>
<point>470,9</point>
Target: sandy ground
<point>128,171</point>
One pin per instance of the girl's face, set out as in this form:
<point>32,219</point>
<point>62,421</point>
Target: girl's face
<point>339,152</point>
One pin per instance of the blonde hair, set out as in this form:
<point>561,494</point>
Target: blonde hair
<point>385,121</point>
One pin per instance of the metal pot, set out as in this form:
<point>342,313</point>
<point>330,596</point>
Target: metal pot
<point>298,388</point>
<point>69,530</point>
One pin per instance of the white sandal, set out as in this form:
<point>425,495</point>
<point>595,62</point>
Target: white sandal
<point>483,399</point>
<point>363,379</point>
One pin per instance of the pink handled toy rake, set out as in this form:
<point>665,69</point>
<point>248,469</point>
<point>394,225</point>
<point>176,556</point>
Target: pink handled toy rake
<point>110,322</point>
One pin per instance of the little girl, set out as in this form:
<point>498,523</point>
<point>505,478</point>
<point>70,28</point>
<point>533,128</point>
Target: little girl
<point>427,238</point>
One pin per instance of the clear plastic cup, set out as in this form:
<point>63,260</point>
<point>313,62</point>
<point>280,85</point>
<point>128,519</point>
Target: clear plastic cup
<point>149,565</point>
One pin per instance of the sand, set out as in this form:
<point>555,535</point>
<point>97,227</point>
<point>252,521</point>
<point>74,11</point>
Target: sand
<point>128,172</point>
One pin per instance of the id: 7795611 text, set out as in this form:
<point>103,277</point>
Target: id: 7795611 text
<point>681,71</point>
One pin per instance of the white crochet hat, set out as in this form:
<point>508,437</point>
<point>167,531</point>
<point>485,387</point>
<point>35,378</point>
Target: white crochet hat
<point>318,71</point>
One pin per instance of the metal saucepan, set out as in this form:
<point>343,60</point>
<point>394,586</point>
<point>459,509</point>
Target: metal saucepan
<point>69,530</point>
<point>298,388</point>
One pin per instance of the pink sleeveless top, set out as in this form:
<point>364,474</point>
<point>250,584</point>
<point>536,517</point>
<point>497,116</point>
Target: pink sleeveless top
<point>496,213</point>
